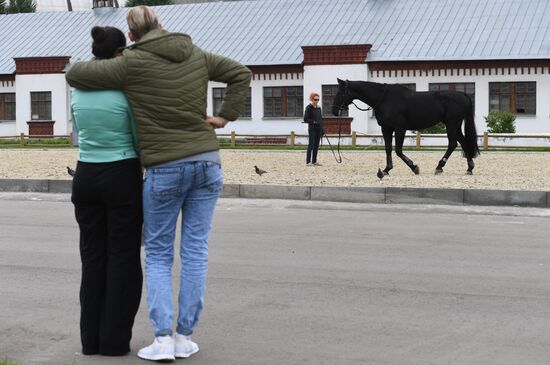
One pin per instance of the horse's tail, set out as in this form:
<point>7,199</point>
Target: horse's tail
<point>472,149</point>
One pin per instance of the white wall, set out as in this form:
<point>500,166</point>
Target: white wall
<point>56,84</point>
<point>312,80</point>
<point>524,124</point>
<point>7,86</point>
<point>258,124</point>
<point>7,129</point>
<point>316,76</point>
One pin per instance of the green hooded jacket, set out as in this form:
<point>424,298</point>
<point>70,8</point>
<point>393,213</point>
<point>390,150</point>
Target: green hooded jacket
<point>165,77</point>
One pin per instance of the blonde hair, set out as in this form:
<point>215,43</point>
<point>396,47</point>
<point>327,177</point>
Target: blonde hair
<point>142,19</point>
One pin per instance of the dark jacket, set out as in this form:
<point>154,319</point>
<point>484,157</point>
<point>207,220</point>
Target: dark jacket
<point>165,77</point>
<point>313,116</point>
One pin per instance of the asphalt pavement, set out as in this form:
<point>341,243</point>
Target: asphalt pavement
<point>305,282</point>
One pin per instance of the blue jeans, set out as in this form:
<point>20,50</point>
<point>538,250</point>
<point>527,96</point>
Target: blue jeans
<point>192,188</point>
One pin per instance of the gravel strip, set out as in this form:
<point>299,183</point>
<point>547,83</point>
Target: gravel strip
<point>494,170</point>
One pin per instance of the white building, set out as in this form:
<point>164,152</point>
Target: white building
<point>62,5</point>
<point>498,51</point>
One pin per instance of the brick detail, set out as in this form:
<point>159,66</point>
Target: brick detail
<point>40,65</point>
<point>333,124</point>
<point>7,77</point>
<point>336,55</point>
<point>276,69</point>
<point>42,128</point>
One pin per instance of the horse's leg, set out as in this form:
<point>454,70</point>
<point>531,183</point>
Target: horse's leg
<point>387,132</point>
<point>462,140</point>
<point>399,139</point>
<point>451,146</point>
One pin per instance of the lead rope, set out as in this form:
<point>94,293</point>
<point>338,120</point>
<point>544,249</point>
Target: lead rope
<point>339,158</point>
<point>363,110</point>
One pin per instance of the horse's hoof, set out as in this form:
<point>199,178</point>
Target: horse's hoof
<point>438,171</point>
<point>416,170</point>
<point>469,173</point>
<point>386,172</point>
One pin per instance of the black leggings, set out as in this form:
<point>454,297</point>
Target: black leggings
<point>315,132</point>
<point>108,209</point>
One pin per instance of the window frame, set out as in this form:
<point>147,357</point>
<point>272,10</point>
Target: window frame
<point>7,107</point>
<point>217,101</point>
<point>512,95</point>
<point>328,92</point>
<point>284,101</point>
<point>41,103</point>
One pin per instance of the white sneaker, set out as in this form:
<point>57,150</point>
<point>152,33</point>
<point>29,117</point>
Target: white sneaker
<point>184,346</point>
<point>162,348</point>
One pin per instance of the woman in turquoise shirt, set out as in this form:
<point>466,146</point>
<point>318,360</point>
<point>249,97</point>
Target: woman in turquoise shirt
<point>108,208</point>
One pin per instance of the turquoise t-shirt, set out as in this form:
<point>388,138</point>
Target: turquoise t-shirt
<point>105,125</point>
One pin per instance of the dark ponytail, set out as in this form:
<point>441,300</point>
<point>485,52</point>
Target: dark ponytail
<point>98,33</point>
<point>107,41</point>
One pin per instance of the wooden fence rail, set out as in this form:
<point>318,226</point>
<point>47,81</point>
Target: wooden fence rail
<point>418,137</point>
<point>291,138</point>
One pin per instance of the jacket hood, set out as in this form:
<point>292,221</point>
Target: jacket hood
<point>175,47</point>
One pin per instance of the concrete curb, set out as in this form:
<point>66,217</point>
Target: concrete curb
<point>539,199</point>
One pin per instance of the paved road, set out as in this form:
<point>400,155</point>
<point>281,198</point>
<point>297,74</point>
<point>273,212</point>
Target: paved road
<point>308,283</point>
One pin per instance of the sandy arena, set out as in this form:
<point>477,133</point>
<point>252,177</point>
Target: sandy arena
<point>494,170</point>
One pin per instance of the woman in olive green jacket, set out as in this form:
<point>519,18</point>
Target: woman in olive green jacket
<point>165,77</point>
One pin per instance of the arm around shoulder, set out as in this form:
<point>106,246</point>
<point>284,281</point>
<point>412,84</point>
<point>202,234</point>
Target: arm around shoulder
<point>98,75</point>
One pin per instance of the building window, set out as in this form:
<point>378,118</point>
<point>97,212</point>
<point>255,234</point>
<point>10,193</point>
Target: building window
<point>328,94</point>
<point>218,94</point>
<point>103,3</point>
<point>516,97</point>
<point>286,101</point>
<point>7,106</point>
<point>41,105</point>
<point>468,88</point>
<point>217,99</point>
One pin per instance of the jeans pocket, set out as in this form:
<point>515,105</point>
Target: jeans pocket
<point>213,177</point>
<point>166,183</point>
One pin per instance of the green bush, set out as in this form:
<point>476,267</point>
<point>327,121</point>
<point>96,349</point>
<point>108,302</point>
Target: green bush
<point>501,122</point>
<point>439,128</point>
<point>49,141</point>
<point>37,142</point>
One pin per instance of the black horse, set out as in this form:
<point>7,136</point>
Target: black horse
<point>398,109</point>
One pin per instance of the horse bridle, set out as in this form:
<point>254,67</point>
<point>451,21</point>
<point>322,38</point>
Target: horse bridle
<point>347,93</point>
<point>340,109</point>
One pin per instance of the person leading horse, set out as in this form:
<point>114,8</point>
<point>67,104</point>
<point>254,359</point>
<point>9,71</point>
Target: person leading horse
<point>398,109</point>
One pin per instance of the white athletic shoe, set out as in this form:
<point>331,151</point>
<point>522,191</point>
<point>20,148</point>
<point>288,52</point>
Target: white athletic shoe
<point>184,347</point>
<point>162,348</point>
